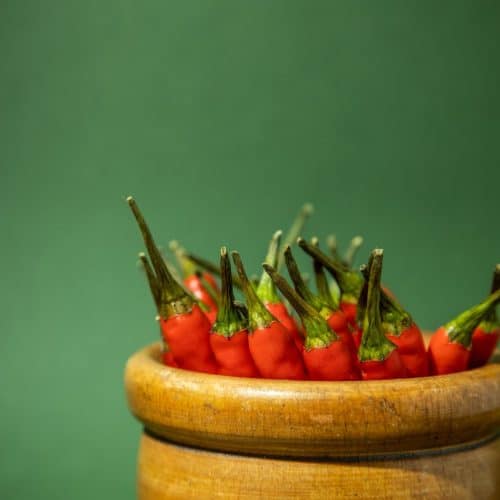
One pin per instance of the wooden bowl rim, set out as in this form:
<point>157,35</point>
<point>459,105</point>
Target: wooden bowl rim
<point>309,418</point>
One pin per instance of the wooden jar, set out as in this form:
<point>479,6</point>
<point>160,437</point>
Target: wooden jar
<point>209,436</point>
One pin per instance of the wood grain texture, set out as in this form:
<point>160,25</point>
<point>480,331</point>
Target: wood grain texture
<point>312,419</point>
<point>168,471</point>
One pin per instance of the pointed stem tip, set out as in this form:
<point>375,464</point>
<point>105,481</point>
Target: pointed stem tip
<point>331,243</point>
<point>352,250</point>
<point>295,229</point>
<point>495,284</point>
<point>170,289</point>
<point>296,277</point>
<point>308,209</point>
<point>266,290</point>
<point>174,246</point>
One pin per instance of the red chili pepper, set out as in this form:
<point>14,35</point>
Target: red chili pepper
<point>325,354</point>
<point>361,306</point>
<point>195,284</point>
<point>484,342</point>
<point>205,290</point>
<point>271,344</point>
<point>357,334</point>
<point>280,312</point>
<point>487,333</point>
<point>335,318</point>
<point>450,345</point>
<point>266,291</point>
<point>349,282</point>
<point>349,308</point>
<point>184,326</point>
<point>166,353</point>
<point>168,357</point>
<point>210,282</point>
<point>202,285</point>
<point>411,347</point>
<point>400,329</point>
<point>378,356</point>
<point>154,287</point>
<point>229,336</point>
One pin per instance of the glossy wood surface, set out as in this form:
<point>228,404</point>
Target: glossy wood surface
<point>312,419</point>
<point>168,471</point>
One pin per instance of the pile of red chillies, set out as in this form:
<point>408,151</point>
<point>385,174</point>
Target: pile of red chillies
<point>351,327</point>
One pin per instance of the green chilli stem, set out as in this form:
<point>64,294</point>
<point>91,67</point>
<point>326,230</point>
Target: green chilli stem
<point>490,321</point>
<point>152,281</point>
<point>395,319</point>
<point>318,333</point>
<point>495,282</point>
<point>258,315</point>
<point>331,243</point>
<point>353,248</point>
<point>266,291</point>
<point>374,343</point>
<point>300,286</point>
<point>363,295</point>
<point>295,230</point>
<point>173,297</point>
<point>322,286</point>
<point>229,318</point>
<point>210,267</point>
<point>186,265</point>
<point>349,282</point>
<point>462,327</point>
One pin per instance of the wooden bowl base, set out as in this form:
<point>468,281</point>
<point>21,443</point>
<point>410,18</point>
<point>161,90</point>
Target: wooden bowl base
<point>168,471</point>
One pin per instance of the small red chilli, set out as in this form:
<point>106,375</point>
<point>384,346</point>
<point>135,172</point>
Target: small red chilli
<point>485,336</point>
<point>334,317</point>
<point>378,357</point>
<point>266,291</point>
<point>271,344</point>
<point>229,335</point>
<point>450,345</point>
<point>325,354</point>
<point>184,326</point>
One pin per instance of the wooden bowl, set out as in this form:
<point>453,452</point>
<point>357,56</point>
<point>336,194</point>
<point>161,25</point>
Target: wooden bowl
<point>407,438</point>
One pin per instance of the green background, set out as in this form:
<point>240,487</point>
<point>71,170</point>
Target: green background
<point>221,118</point>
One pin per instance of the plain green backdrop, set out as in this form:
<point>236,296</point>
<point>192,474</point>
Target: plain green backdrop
<point>221,118</point>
